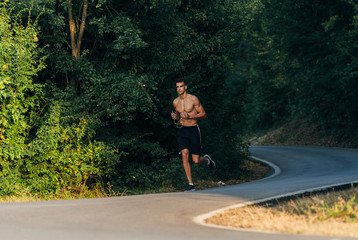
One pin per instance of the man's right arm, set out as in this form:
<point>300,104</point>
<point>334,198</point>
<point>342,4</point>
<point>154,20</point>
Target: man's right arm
<point>175,115</point>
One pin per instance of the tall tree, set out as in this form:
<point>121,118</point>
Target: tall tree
<point>77,27</point>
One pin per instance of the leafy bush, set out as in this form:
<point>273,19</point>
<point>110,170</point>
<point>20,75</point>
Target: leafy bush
<point>41,153</point>
<point>20,97</point>
<point>64,157</point>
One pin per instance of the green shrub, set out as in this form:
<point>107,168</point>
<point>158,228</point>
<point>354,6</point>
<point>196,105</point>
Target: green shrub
<point>20,97</point>
<point>42,150</point>
<point>65,157</point>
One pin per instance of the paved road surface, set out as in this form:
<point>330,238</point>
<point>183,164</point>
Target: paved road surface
<point>170,216</point>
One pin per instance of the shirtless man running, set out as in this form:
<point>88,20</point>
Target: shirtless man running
<point>188,111</point>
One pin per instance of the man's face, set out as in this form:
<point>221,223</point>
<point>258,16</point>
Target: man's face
<point>180,87</point>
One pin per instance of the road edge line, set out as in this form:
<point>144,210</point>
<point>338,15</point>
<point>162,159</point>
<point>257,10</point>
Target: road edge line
<point>201,218</point>
<point>274,167</point>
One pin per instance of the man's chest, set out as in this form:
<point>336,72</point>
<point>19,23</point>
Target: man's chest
<point>185,105</point>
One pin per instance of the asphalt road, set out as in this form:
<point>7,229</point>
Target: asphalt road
<point>176,215</point>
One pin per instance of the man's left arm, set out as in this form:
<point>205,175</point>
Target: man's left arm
<point>199,109</point>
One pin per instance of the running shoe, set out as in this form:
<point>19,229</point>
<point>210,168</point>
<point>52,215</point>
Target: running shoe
<point>189,188</point>
<point>211,164</point>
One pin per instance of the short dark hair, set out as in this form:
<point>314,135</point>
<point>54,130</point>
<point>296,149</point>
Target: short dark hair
<point>180,80</point>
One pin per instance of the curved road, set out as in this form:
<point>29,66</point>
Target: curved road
<point>170,215</point>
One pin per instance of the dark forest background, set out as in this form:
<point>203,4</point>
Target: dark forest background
<point>86,86</point>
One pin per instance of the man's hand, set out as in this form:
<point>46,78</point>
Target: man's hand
<point>175,116</point>
<point>184,115</point>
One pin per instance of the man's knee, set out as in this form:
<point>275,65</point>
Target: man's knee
<point>196,158</point>
<point>185,154</point>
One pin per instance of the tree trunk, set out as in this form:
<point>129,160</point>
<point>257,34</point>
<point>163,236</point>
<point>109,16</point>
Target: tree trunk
<point>76,33</point>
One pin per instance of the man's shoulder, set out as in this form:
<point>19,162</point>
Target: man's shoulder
<point>190,95</point>
<point>193,97</point>
<point>175,100</point>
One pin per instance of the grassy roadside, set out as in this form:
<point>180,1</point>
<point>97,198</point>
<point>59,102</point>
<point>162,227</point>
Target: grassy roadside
<point>258,170</point>
<point>331,214</point>
<point>334,213</point>
<point>27,197</point>
<point>300,132</point>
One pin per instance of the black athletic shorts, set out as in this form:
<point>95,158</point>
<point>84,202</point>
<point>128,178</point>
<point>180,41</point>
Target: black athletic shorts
<point>189,138</point>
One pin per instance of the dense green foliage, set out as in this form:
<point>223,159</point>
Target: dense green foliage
<point>42,151</point>
<point>104,117</point>
<point>87,86</point>
<point>303,62</point>
<point>20,97</point>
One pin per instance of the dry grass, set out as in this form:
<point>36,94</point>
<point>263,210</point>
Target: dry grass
<point>332,214</point>
<point>18,199</point>
<point>61,195</point>
<point>257,171</point>
<point>300,132</point>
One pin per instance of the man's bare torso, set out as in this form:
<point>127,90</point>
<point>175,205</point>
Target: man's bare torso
<point>189,105</point>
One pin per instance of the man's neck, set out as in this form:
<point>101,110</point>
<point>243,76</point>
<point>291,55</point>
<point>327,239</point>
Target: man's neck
<point>183,96</point>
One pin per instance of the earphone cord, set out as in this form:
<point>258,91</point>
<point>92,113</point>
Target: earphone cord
<point>179,124</point>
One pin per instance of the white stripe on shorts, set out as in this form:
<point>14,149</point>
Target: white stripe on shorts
<point>199,132</point>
